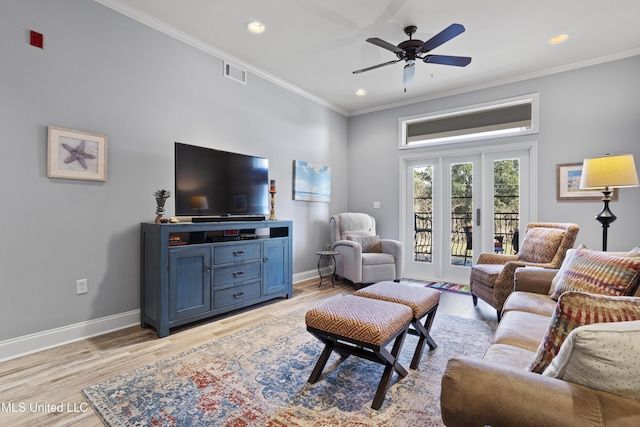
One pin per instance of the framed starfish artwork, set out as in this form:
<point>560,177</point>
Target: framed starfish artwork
<point>74,154</point>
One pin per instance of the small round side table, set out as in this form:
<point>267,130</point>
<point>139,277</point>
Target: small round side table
<point>327,255</point>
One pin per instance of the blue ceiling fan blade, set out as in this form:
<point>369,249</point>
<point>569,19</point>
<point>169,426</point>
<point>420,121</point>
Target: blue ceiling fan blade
<point>458,61</point>
<point>443,36</point>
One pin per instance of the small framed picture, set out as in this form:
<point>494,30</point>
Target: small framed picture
<point>569,175</point>
<point>74,154</point>
<point>311,182</point>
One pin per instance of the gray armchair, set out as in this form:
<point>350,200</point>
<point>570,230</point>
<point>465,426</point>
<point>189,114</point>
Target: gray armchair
<point>364,257</point>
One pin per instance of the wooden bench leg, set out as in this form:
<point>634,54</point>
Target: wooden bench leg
<point>330,346</point>
<point>391,365</point>
<point>422,331</point>
<point>321,363</point>
<point>379,354</point>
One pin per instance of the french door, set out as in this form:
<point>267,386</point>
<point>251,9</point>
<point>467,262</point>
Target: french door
<point>457,205</point>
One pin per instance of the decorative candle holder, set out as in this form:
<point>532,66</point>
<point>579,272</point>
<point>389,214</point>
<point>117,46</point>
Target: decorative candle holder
<point>272,217</point>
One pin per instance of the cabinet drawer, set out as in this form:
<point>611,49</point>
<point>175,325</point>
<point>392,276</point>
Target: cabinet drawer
<point>236,273</point>
<point>236,295</point>
<point>236,253</point>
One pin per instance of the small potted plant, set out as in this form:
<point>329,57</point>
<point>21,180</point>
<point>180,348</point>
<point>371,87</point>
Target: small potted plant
<point>161,197</point>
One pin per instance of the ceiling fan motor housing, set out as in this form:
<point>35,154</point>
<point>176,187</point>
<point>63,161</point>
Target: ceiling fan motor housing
<point>410,48</point>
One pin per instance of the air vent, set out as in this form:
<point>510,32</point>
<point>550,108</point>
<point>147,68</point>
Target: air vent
<point>235,73</point>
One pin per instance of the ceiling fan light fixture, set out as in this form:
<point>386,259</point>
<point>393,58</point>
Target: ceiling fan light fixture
<point>256,27</point>
<point>361,92</point>
<point>409,73</point>
<point>557,39</point>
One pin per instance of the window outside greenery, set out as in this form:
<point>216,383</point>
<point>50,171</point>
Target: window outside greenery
<point>506,208</point>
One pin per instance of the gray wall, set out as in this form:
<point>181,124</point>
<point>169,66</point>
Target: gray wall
<point>104,73</point>
<point>585,112</point>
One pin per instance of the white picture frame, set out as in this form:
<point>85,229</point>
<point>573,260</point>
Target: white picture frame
<point>74,154</point>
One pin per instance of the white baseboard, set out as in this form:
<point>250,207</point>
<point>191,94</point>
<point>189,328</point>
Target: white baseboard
<point>33,343</point>
<point>21,346</point>
<point>311,274</point>
<point>306,275</point>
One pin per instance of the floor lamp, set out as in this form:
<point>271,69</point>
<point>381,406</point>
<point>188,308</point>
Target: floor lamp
<point>606,173</point>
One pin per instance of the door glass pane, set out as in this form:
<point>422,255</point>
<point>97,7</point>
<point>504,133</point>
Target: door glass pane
<point>461,209</point>
<point>506,205</point>
<point>422,213</point>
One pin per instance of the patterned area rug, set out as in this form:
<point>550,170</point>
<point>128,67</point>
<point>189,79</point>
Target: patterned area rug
<point>449,287</point>
<point>258,377</point>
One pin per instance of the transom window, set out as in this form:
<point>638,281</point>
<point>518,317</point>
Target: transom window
<point>507,117</point>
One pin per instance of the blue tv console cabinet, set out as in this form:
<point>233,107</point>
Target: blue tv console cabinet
<point>193,271</point>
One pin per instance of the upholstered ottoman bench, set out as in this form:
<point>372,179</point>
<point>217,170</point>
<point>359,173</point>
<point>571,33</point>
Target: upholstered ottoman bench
<point>422,301</point>
<point>362,327</point>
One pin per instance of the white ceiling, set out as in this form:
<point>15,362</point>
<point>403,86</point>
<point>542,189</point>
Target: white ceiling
<point>313,46</point>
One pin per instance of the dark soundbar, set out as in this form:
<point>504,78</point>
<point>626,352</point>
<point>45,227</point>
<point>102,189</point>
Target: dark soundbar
<point>227,218</point>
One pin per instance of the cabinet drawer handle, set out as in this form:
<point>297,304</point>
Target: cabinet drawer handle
<point>238,274</point>
<point>238,295</point>
<point>207,268</point>
<point>238,253</point>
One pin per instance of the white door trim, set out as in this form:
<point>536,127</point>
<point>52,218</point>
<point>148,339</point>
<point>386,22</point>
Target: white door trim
<point>405,158</point>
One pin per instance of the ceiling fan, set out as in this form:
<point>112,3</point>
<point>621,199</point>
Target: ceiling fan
<point>410,50</point>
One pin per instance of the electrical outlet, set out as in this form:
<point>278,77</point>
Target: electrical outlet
<point>81,287</point>
<point>376,205</point>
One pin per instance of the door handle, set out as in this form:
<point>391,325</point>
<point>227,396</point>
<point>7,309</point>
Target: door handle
<point>478,217</point>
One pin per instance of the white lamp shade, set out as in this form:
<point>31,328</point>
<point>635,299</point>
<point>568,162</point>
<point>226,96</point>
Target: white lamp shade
<point>609,171</point>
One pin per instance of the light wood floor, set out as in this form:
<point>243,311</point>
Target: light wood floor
<point>56,376</point>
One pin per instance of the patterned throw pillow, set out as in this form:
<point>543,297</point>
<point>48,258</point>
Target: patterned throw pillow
<point>576,309</point>
<point>599,273</point>
<point>563,267</point>
<point>540,244</point>
<point>368,243</point>
<point>602,356</point>
<point>635,252</point>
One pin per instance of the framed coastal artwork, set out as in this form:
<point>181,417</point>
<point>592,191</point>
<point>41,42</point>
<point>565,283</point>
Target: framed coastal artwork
<point>74,154</point>
<point>569,175</point>
<point>311,182</point>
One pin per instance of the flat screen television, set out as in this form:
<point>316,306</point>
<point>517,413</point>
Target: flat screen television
<point>220,184</point>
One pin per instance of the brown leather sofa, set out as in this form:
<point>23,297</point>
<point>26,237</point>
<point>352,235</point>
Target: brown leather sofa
<point>499,391</point>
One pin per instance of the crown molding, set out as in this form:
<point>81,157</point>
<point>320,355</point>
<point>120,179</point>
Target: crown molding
<point>504,81</point>
<point>195,42</point>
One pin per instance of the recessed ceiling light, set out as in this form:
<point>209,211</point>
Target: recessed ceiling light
<point>560,38</point>
<point>256,27</point>
<point>361,92</point>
